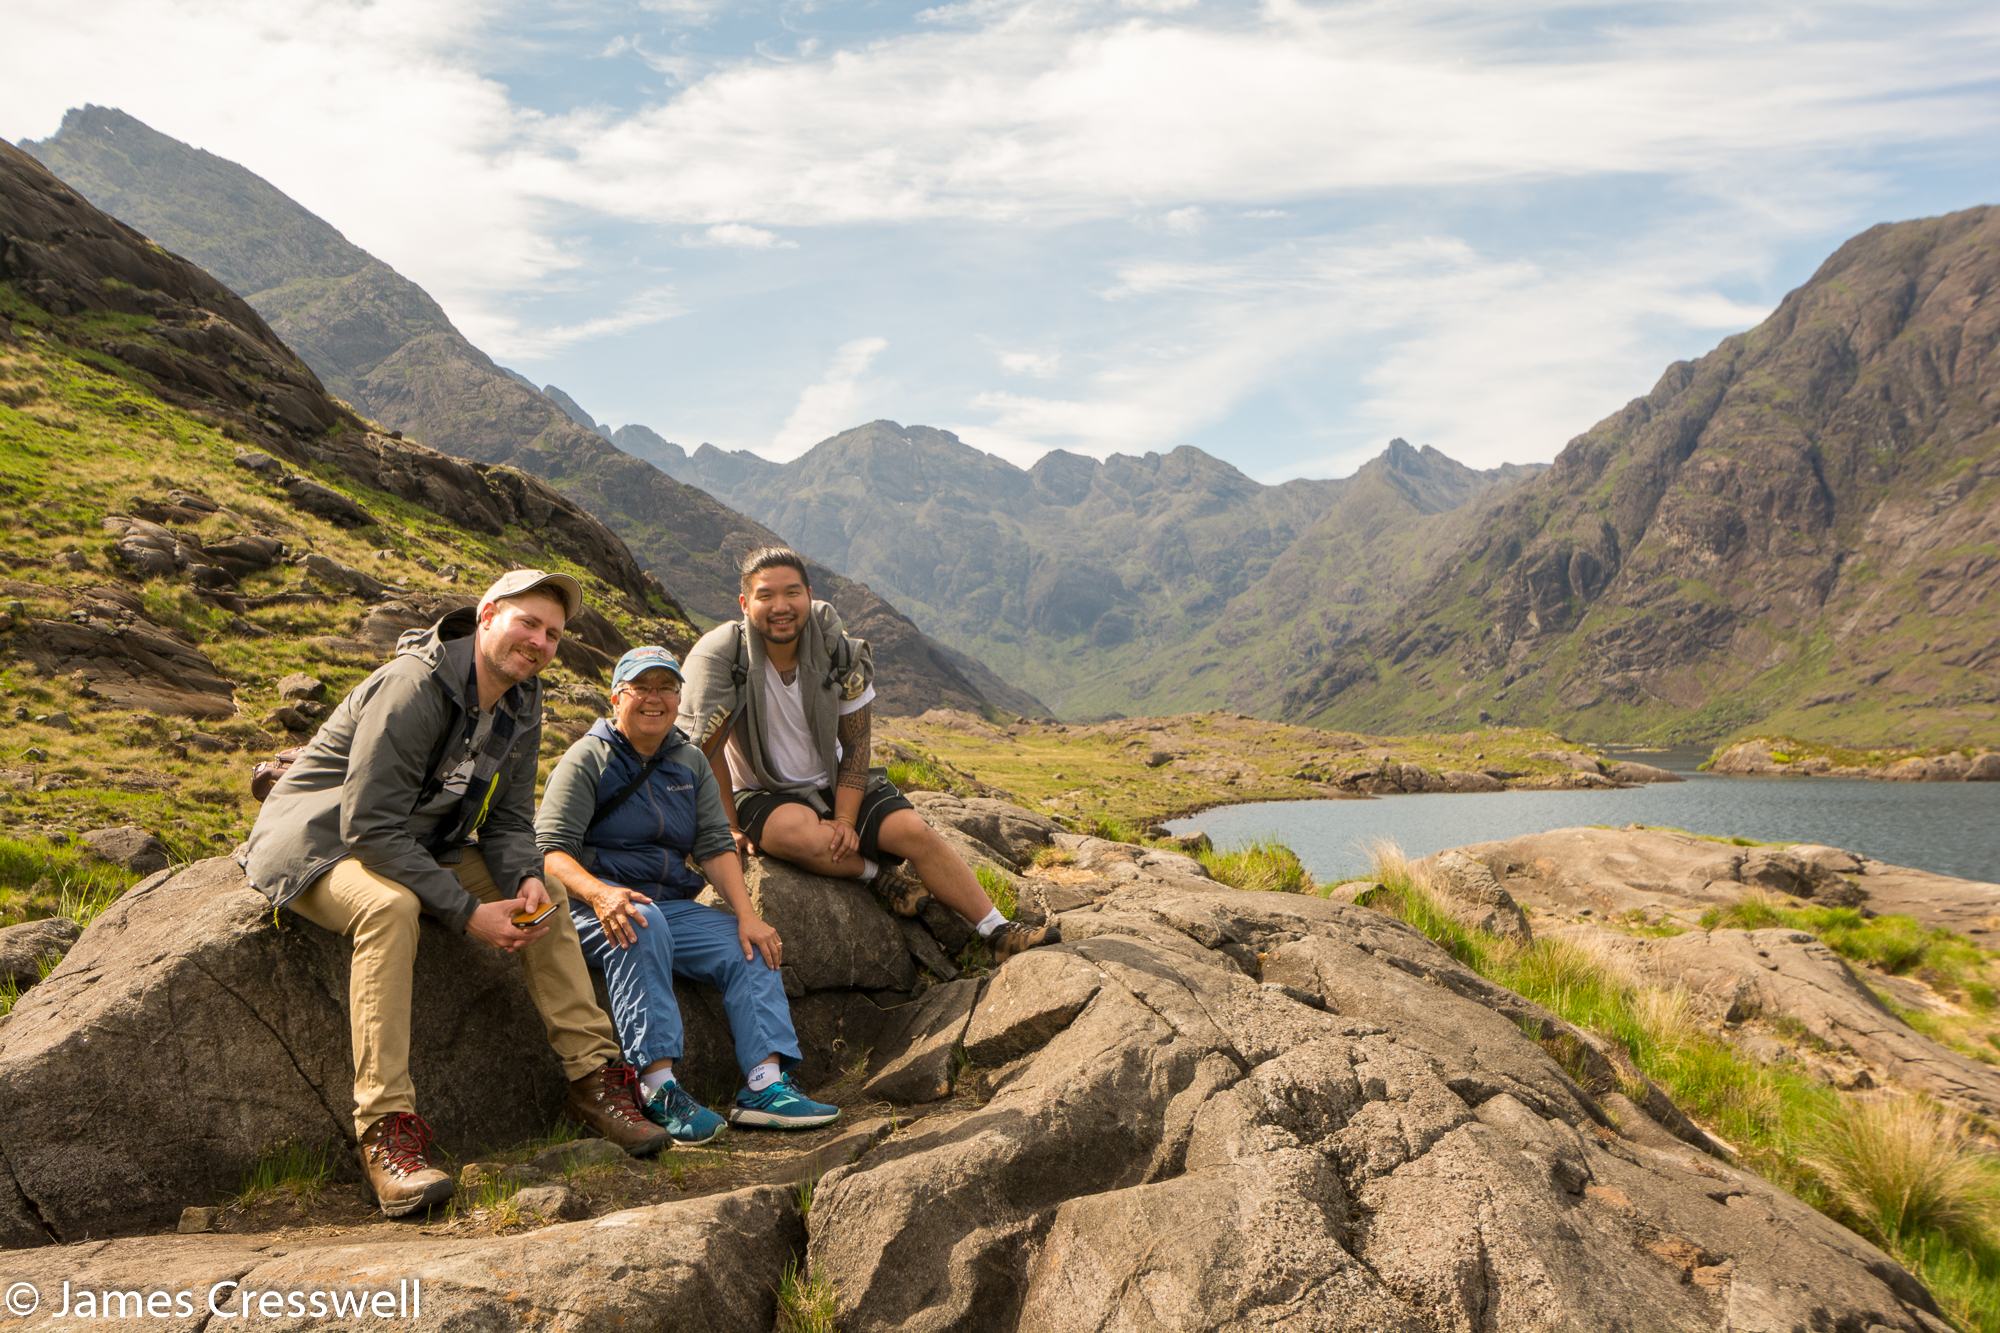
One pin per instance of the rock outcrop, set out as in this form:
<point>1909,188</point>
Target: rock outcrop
<point>1780,973</point>
<point>1614,871</point>
<point>1206,1109</point>
<point>1768,759</point>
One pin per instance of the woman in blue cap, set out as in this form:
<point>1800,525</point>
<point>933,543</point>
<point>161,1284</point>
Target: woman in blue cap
<point>626,807</point>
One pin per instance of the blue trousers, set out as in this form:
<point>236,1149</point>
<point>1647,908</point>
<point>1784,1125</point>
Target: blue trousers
<point>693,940</point>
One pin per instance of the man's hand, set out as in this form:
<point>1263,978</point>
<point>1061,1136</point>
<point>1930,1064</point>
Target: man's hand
<point>842,838</point>
<point>533,893</point>
<point>743,845</point>
<point>618,909</point>
<point>493,923</point>
<point>755,933</point>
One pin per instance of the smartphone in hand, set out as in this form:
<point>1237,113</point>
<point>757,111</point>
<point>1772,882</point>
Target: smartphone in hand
<point>529,918</point>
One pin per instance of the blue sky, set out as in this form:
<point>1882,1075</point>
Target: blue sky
<point>1281,232</point>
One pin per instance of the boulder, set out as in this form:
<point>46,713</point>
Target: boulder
<point>133,664</point>
<point>326,503</point>
<point>299,685</point>
<point>1014,835</point>
<point>552,1203</point>
<point>131,847</point>
<point>335,574</point>
<point>1369,1141</point>
<point>1470,782</point>
<point>24,948</point>
<point>839,938</point>
<point>1654,870</point>
<point>1627,770</point>
<point>1475,896</point>
<point>714,1262</point>
<point>1788,973</point>
<point>1783,872</point>
<point>1575,760</point>
<point>1984,768</point>
<point>918,1043</point>
<point>231,1030</point>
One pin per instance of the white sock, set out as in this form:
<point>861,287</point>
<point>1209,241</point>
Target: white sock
<point>763,1076</point>
<point>650,1083</point>
<point>868,869</point>
<point>989,923</point>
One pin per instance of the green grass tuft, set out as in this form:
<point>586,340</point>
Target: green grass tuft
<point>300,1170</point>
<point>806,1303</point>
<point>999,888</point>
<point>1263,863</point>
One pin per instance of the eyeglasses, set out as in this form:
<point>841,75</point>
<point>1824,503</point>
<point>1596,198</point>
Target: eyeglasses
<point>651,691</point>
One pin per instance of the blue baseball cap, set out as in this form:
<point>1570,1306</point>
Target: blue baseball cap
<point>644,659</point>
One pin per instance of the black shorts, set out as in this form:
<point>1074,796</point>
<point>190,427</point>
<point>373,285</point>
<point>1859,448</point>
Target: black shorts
<point>877,803</point>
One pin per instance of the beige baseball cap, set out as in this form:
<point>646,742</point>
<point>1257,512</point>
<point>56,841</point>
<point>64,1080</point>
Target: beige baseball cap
<point>517,581</point>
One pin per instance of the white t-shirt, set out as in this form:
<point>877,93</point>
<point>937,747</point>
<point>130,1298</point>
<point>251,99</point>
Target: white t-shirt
<point>787,740</point>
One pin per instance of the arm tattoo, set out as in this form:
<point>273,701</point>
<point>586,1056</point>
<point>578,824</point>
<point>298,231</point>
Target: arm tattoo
<point>855,729</point>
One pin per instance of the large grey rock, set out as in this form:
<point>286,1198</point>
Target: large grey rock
<point>335,574</point>
<point>1630,770</point>
<point>326,503</point>
<point>836,936</point>
<point>706,1263</point>
<point>24,948</point>
<point>1614,871</point>
<point>1014,834</point>
<point>131,847</point>
<point>1370,1142</point>
<point>919,1042</point>
<point>1476,898</point>
<point>1789,973</point>
<point>231,1031</point>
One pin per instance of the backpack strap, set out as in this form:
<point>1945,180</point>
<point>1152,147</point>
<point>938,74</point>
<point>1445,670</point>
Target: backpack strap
<point>605,808</point>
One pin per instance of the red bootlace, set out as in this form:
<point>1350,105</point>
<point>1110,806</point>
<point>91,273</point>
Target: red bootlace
<point>404,1145</point>
<point>621,1093</point>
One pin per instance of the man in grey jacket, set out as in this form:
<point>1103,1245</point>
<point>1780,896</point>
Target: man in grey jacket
<point>780,703</point>
<point>375,824</point>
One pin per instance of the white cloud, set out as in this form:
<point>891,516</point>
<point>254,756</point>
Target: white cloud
<point>1040,365</point>
<point>1185,221</point>
<point>740,235</point>
<point>830,406</point>
<point>505,338</point>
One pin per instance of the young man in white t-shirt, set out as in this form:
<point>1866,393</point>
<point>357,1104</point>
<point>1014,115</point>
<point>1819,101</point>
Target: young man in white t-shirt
<point>785,722</point>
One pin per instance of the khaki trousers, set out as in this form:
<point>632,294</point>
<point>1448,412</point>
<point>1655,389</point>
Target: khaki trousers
<point>380,916</point>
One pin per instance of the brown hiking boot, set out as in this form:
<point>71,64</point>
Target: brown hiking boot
<point>904,892</point>
<point>1019,937</point>
<point>608,1103</point>
<point>396,1170</point>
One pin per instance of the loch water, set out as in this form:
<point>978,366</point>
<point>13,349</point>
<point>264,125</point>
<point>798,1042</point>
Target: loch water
<point>1952,828</point>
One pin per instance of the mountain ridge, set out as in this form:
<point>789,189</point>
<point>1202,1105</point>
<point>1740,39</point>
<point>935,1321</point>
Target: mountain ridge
<point>1077,576</point>
<point>1797,531</point>
<point>382,344</point>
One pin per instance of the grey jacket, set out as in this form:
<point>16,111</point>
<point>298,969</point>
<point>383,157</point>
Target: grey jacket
<point>725,688</point>
<point>354,789</point>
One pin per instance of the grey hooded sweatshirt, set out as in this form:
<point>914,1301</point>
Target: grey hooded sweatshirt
<point>358,784</point>
<point>724,690</point>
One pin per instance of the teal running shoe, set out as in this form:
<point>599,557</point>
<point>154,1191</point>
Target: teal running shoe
<point>780,1106</point>
<point>685,1119</point>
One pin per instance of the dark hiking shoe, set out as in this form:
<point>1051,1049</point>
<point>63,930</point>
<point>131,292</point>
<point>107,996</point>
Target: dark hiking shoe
<point>904,892</point>
<point>396,1170</point>
<point>1019,937</point>
<point>607,1104</point>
